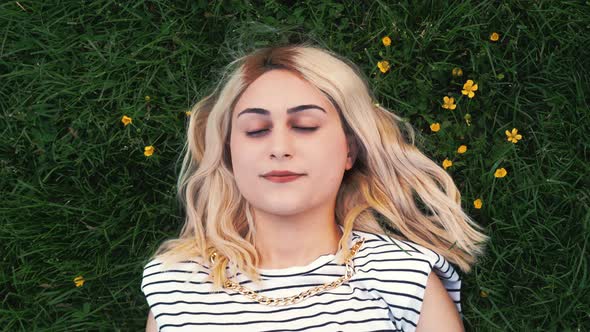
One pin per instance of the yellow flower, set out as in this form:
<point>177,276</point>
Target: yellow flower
<point>477,203</point>
<point>467,118</point>
<point>386,41</point>
<point>469,89</point>
<point>483,293</point>
<point>147,98</point>
<point>447,163</point>
<point>500,172</point>
<point>449,103</point>
<point>494,36</point>
<point>462,149</point>
<point>126,120</point>
<point>435,127</point>
<point>148,150</point>
<point>79,280</point>
<point>383,66</point>
<point>513,136</point>
<point>457,72</point>
<point>188,113</point>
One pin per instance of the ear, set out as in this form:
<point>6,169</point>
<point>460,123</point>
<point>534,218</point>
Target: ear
<point>352,151</point>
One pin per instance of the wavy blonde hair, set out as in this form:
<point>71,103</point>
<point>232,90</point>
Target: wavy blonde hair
<point>390,177</point>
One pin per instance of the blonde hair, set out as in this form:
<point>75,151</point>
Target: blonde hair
<point>387,178</point>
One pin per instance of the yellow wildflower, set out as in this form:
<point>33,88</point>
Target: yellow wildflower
<point>500,172</point>
<point>477,203</point>
<point>469,89</point>
<point>494,36</point>
<point>148,150</point>
<point>483,293</point>
<point>383,66</point>
<point>447,163</point>
<point>435,127</point>
<point>449,103</point>
<point>188,113</point>
<point>457,72</point>
<point>462,149</point>
<point>148,98</point>
<point>386,41</point>
<point>513,136</point>
<point>126,120</point>
<point>79,280</point>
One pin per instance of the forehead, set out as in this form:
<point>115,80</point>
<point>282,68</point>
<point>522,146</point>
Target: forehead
<point>277,90</point>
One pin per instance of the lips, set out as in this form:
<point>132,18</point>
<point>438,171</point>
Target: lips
<point>281,173</point>
<point>283,178</point>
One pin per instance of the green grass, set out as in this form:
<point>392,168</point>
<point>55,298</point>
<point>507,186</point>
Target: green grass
<point>80,198</point>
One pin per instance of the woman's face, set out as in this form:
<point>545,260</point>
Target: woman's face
<point>265,136</point>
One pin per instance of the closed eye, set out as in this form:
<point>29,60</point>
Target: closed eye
<point>258,132</point>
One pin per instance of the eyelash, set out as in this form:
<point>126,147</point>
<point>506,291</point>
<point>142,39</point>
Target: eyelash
<point>255,133</point>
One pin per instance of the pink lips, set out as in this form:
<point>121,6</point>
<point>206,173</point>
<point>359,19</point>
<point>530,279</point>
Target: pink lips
<point>281,176</point>
<point>284,178</point>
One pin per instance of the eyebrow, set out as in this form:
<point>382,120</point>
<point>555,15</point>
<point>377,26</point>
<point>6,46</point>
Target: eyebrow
<point>258,110</point>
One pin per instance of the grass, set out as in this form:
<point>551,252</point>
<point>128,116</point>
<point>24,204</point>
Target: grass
<point>81,199</point>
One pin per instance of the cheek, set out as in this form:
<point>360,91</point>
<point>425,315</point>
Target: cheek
<point>329,156</point>
<point>244,153</point>
<point>239,158</point>
<point>246,165</point>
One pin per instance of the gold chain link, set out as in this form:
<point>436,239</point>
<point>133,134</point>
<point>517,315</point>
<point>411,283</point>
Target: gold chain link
<point>303,295</point>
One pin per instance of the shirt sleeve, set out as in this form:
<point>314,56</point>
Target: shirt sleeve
<point>149,279</point>
<point>145,276</point>
<point>404,290</point>
<point>446,272</point>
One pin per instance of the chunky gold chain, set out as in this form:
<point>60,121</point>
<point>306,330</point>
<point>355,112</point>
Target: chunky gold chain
<point>305,294</point>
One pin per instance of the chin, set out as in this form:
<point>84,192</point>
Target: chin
<point>283,208</point>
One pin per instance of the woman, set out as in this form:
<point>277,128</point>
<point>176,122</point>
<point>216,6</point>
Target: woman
<point>302,200</point>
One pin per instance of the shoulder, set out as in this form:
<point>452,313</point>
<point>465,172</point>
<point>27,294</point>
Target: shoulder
<point>399,271</point>
<point>167,287</point>
<point>161,282</point>
<point>384,249</point>
<point>156,273</point>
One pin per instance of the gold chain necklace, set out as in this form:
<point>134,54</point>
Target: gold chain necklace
<point>303,295</point>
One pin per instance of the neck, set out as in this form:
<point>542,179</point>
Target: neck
<point>284,242</point>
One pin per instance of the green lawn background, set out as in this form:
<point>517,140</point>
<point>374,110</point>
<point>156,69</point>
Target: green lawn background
<point>80,198</point>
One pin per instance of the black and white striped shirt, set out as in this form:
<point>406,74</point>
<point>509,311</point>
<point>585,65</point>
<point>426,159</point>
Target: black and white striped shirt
<point>384,294</point>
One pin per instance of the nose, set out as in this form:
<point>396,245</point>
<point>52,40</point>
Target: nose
<point>281,143</point>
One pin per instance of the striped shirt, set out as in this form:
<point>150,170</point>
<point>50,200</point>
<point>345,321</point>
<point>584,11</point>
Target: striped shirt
<point>384,294</point>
